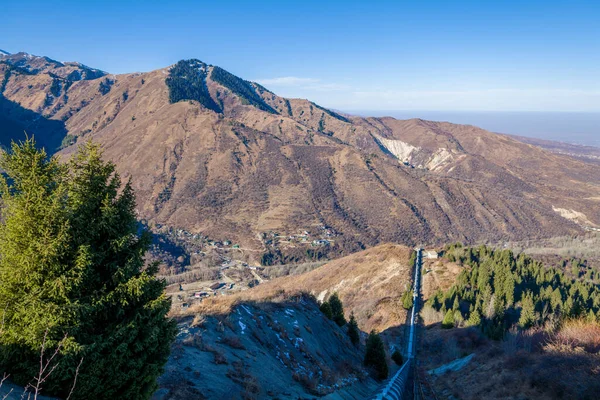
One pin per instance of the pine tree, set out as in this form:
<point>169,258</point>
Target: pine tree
<point>375,356</point>
<point>326,310</point>
<point>455,304</point>
<point>72,264</point>
<point>474,318</point>
<point>527,318</point>
<point>337,310</point>
<point>353,332</point>
<point>448,321</point>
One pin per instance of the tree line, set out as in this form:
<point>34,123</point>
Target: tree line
<point>498,290</point>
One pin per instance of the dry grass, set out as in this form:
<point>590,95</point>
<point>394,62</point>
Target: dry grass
<point>431,316</point>
<point>577,336</point>
<point>238,374</point>
<point>438,275</point>
<point>535,364</point>
<point>582,246</point>
<point>234,342</point>
<point>369,283</point>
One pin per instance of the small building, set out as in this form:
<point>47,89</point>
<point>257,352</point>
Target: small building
<point>431,254</point>
<point>217,286</point>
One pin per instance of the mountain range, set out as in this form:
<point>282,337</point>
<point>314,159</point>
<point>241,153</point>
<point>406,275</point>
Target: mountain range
<point>212,153</point>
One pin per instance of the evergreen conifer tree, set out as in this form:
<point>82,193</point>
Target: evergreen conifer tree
<point>455,304</point>
<point>353,332</point>
<point>72,276</point>
<point>407,299</point>
<point>474,318</point>
<point>448,321</point>
<point>326,309</point>
<point>375,356</point>
<point>527,318</point>
<point>337,310</point>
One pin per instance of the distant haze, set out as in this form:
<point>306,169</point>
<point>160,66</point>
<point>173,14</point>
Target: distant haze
<point>568,127</point>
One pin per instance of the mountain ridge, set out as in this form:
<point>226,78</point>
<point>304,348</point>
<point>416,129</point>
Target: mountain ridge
<point>270,164</point>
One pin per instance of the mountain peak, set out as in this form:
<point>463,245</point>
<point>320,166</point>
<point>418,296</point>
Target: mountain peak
<point>4,53</point>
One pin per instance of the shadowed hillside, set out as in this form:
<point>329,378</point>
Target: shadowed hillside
<point>280,346</point>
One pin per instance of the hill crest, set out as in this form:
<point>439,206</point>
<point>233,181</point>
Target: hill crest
<point>252,162</point>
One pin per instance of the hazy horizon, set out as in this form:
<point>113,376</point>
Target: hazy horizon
<point>582,128</point>
<point>535,55</point>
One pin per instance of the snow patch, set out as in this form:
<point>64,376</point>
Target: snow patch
<point>243,326</point>
<point>246,309</point>
<point>279,338</point>
<point>297,342</point>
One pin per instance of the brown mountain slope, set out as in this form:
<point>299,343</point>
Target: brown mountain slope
<point>254,162</point>
<point>370,283</point>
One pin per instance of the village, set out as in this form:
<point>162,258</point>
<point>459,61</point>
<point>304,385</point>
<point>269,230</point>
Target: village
<point>197,267</point>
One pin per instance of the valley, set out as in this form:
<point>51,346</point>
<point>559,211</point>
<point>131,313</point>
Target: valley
<point>261,209</point>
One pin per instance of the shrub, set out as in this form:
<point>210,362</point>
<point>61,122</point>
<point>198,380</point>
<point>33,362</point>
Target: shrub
<point>105,86</point>
<point>233,342</point>
<point>67,141</point>
<point>397,357</point>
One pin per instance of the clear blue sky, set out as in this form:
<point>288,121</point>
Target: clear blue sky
<point>371,55</point>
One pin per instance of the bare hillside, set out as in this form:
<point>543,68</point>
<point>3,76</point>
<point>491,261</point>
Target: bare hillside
<point>214,154</point>
<point>369,283</point>
<point>278,347</point>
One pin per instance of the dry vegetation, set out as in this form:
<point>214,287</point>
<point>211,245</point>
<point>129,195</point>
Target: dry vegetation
<point>581,246</point>
<point>279,346</point>
<point>370,284</point>
<point>438,274</point>
<point>551,363</point>
<point>243,171</point>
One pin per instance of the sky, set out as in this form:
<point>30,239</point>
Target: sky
<point>370,55</point>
